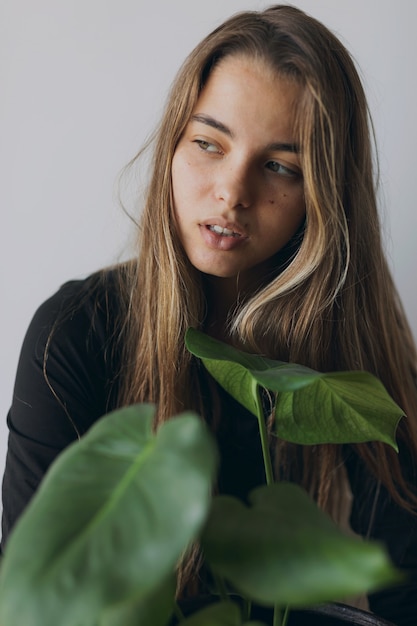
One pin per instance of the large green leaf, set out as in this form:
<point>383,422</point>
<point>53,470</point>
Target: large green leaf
<point>312,407</point>
<point>283,550</point>
<point>110,520</point>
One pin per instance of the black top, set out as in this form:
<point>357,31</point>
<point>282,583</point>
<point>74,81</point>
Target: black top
<point>82,370</point>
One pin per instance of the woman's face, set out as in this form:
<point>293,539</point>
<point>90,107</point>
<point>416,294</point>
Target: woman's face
<point>236,175</point>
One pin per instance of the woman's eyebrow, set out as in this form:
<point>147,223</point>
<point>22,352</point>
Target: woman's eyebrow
<point>213,123</point>
<point>210,121</point>
<point>284,147</point>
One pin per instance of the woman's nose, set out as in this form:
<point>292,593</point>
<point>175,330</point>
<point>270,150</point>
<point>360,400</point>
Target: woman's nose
<point>234,187</point>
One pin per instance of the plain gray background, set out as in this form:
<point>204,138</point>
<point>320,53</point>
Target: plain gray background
<point>82,85</point>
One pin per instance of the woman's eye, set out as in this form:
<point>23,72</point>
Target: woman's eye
<point>206,146</point>
<point>278,168</point>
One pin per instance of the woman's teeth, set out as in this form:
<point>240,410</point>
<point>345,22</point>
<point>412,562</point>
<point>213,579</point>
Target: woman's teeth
<point>226,232</point>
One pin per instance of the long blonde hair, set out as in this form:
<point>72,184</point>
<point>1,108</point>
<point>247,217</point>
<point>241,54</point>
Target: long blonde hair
<point>334,305</point>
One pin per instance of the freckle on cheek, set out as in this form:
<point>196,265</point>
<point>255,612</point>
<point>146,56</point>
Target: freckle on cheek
<point>272,202</point>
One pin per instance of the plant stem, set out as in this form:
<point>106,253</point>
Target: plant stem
<point>277,616</point>
<point>263,431</point>
<point>246,609</point>
<point>286,616</point>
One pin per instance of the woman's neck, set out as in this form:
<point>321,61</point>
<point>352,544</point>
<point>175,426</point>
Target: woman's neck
<point>224,296</point>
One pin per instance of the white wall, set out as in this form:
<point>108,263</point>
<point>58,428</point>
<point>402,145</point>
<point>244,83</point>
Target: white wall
<point>82,82</point>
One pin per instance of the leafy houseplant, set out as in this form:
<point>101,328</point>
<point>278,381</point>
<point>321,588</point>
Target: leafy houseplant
<point>99,543</point>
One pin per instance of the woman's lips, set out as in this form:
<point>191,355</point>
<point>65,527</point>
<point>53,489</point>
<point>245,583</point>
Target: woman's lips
<point>225,227</point>
<point>222,237</point>
<point>226,232</point>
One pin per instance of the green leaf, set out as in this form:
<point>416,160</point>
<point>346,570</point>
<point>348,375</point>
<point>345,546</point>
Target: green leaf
<point>110,521</point>
<point>233,369</point>
<point>312,407</point>
<point>217,614</point>
<point>284,550</point>
<point>156,608</point>
<point>340,407</point>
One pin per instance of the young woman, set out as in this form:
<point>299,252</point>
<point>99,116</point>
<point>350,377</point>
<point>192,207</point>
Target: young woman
<point>261,228</point>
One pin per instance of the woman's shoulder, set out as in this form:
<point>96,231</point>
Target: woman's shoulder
<point>70,357</point>
<point>80,318</point>
<point>86,310</point>
<point>94,296</point>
